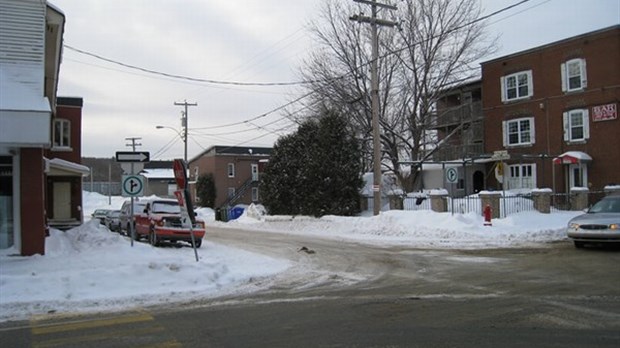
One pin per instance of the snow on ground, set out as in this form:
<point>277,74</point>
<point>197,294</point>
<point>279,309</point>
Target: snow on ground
<point>90,268</point>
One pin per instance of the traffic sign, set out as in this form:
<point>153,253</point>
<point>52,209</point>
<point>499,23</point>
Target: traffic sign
<point>132,185</point>
<point>452,175</point>
<point>180,173</point>
<point>128,156</point>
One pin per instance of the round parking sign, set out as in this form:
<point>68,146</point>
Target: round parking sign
<point>133,185</point>
<point>452,175</point>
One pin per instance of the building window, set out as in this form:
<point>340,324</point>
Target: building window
<point>522,176</point>
<point>231,192</point>
<point>62,133</point>
<point>231,170</point>
<point>576,125</point>
<point>574,75</point>
<point>254,194</point>
<point>196,173</point>
<point>519,132</point>
<point>517,86</point>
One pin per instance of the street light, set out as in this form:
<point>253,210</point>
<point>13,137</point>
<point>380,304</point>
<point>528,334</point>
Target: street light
<point>184,138</point>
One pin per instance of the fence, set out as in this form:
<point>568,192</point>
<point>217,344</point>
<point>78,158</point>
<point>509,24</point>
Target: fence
<point>103,187</point>
<point>507,205</point>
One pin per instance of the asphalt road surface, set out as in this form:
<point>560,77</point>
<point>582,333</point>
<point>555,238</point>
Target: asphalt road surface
<point>342,294</point>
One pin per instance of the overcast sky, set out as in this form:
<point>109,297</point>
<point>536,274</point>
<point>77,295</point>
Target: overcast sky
<point>232,40</point>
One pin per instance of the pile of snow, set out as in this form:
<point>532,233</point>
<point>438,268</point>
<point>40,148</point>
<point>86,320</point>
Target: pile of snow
<point>421,229</point>
<point>90,268</point>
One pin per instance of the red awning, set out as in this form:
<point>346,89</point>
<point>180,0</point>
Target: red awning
<point>572,157</point>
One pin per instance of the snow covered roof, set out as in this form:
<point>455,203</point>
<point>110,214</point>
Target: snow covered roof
<point>158,173</point>
<point>572,157</point>
<point>22,88</point>
<point>57,164</point>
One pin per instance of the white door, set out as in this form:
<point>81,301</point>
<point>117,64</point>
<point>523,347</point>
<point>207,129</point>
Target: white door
<point>578,175</point>
<point>62,200</point>
<point>254,172</point>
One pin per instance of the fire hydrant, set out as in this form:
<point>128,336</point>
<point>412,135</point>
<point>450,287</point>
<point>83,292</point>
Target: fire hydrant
<point>487,215</point>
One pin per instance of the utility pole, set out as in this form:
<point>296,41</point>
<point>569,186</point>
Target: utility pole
<point>133,143</point>
<point>374,93</point>
<point>184,116</point>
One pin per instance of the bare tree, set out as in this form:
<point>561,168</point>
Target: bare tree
<point>437,46</point>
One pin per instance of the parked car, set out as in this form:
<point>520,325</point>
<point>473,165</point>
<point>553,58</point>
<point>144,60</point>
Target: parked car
<point>601,223</point>
<point>112,220</point>
<point>100,214</point>
<point>162,221</point>
<point>125,215</point>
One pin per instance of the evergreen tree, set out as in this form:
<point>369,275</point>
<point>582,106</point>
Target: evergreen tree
<point>314,171</point>
<point>205,190</point>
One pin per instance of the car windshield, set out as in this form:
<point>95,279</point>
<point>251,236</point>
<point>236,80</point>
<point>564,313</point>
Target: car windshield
<point>166,207</point>
<point>115,213</point>
<point>608,205</point>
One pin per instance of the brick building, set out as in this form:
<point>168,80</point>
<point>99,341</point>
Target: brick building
<point>63,170</point>
<point>235,171</point>
<point>554,109</point>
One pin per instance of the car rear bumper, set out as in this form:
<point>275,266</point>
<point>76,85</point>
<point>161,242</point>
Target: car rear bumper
<point>174,234</point>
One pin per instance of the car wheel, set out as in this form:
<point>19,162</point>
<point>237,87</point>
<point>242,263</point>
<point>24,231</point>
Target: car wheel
<point>579,244</point>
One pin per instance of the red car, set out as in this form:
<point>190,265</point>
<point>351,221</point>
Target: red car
<point>161,220</point>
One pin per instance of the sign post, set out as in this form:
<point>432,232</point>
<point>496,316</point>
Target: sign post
<point>132,184</point>
<point>182,195</point>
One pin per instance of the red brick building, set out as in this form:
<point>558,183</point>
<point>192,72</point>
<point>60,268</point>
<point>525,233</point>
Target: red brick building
<point>554,109</point>
<point>63,169</point>
<point>235,171</point>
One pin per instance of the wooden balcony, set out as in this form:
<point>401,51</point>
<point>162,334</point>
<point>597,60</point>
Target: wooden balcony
<point>457,115</point>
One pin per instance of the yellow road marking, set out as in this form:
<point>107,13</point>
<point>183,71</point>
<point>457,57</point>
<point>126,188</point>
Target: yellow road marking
<point>88,324</point>
<point>98,337</point>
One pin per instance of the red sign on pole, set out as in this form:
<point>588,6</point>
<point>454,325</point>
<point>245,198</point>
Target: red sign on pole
<point>180,173</point>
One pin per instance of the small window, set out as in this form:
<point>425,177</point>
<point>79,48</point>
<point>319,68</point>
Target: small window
<point>196,173</point>
<point>231,170</point>
<point>231,192</point>
<point>62,133</point>
<point>576,125</point>
<point>254,194</point>
<point>519,132</point>
<point>517,86</point>
<point>574,75</point>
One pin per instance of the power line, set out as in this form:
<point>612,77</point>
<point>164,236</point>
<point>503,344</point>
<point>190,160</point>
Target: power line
<point>188,78</point>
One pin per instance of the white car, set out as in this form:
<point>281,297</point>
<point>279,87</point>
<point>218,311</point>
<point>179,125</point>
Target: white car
<point>601,223</point>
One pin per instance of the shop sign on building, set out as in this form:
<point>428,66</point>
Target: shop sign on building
<point>604,112</point>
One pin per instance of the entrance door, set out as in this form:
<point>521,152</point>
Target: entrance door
<point>578,175</point>
<point>6,203</point>
<point>254,169</point>
<point>62,200</point>
<point>478,181</point>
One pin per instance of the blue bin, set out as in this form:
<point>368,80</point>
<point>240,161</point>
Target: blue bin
<point>235,213</point>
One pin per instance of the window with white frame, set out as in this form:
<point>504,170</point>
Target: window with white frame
<point>231,170</point>
<point>576,125</point>
<point>574,75</point>
<point>62,133</point>
<point>231,192</point>
<point>517,86</point>
<point>519,132</point>
<point>196,173</point>
<point>522,176</point>
<point>254,194</point>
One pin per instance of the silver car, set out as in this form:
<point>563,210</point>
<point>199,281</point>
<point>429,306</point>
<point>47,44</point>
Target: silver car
<point>600,224</point>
